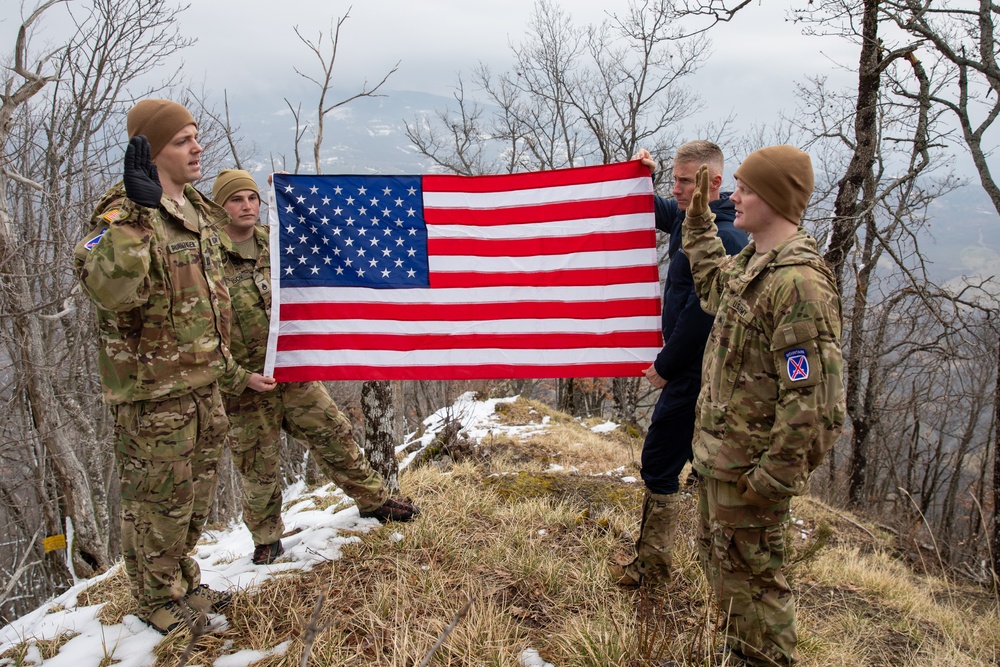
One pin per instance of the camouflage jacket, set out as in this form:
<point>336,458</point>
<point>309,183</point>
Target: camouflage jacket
<point>162,305</point>
<point>249,283</point>
<point>772,398</point>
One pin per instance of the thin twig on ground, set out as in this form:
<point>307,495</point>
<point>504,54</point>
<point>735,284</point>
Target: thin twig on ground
<point>197,623</point>
<point>312,631</point>
<point>447,631</point>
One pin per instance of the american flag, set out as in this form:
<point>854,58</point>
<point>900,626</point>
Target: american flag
<point>531,275</point>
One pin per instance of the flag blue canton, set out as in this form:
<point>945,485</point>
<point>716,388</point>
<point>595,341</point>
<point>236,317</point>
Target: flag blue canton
<point>351,231</point>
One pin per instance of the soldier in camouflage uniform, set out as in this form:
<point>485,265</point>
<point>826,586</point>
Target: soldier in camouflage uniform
<point>676,370</point>
<point>772,400</point>
<point>152,265</point>
<point>304,409</point>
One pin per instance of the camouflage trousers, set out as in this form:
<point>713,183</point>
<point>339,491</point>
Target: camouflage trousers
<point>166,454</point>
<point>742,550</point>
<point>307,413</point>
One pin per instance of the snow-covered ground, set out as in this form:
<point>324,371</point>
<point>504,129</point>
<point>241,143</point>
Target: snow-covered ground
<point>224,556</point>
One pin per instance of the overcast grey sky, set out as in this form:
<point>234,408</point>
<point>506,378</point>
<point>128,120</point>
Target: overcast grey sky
<point>753,67</point>
<point>249,48</point>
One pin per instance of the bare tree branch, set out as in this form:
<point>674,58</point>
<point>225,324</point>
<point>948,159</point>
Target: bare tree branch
<point>447,631</point>
<point>327,62</point>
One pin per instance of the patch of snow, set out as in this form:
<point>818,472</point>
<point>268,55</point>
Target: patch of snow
<point>530,658</point>
<point>606,427</point>
<point>248,657</point>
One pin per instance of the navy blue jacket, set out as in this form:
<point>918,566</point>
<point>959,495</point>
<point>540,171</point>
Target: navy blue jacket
<point>685,325</point>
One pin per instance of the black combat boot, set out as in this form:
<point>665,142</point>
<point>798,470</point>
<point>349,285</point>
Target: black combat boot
<point>392,510</point>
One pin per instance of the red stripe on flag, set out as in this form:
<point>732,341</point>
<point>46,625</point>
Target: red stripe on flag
<point>457,312</point>
<point>406,343</point>
<point>465,372</point>
<point>567,278</point>
<point>517,215</point>
<point>533,180</point>
<point>557,245</point>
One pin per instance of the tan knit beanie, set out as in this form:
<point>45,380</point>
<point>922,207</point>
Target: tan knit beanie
<point>158,121</point>
<point>782,176</point>
<point>231,181</point>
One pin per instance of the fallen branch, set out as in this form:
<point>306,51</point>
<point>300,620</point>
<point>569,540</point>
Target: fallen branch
<point>447,631</point>
<point>197,623</point>
<point>312,631</point>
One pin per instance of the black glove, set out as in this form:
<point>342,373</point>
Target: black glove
<point>142,183</point>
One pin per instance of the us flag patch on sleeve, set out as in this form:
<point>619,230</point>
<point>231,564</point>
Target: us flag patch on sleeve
<point>112,215</point>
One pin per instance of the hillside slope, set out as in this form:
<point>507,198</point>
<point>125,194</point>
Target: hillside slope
<point>522,510</point>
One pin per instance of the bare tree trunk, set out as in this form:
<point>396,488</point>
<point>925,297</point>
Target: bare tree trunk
<point>860,419</point>
<point>398,421</point>
<point>994,532</point>
<point>854,205</point>
<point>89,549</point>
<point>865,143</point>
<point>380,446</point>
<point>567,396</point>
<point>625,393</point>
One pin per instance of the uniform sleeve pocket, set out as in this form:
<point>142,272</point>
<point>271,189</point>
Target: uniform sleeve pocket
<point>796,354</point>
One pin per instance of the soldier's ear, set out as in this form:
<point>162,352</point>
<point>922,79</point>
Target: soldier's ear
<point>715,182</point>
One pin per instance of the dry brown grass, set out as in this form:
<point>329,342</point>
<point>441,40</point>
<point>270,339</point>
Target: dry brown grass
<point>529,545</point>
<point>113,592</point>
<point>45,649</point>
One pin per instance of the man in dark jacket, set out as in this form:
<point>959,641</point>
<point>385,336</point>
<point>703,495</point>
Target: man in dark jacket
<point>677,368</point>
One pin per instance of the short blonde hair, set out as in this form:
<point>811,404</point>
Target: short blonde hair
<point>699,152</point>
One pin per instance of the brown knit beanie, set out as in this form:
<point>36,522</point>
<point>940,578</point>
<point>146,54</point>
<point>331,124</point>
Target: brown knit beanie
<point>158,121</point>
<point>782,176</point>
<point>231,181</point>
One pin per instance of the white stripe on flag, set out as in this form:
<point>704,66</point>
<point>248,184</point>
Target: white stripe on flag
<point>518,357</point>
<point>464,294</point>
<point>535,230</point>
<point>579,260</point>
<point>533,326</point>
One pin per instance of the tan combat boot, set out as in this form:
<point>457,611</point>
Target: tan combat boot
<point>205,600</point>
<point>168,617</point>
<point>653,559</point>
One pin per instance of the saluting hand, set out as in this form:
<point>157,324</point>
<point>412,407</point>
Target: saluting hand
<point>142,181</point>
<point>699,200</point>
